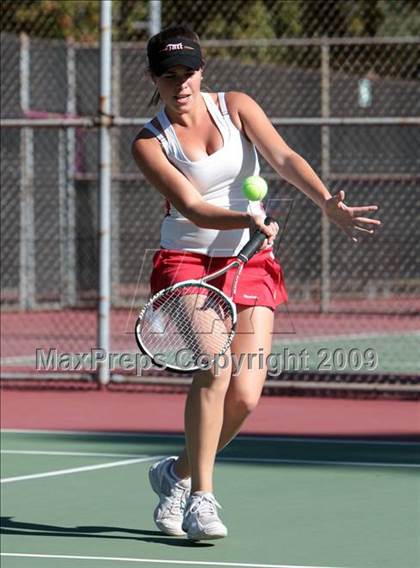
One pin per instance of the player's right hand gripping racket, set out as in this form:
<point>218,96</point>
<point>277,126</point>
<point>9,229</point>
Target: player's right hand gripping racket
<point>186,326</point>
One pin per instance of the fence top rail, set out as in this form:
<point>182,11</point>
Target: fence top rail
<point>309,121</point>
<point>86,122</point>
<point>316,41</point>
<point>285,42</point>
<point>243,42</point>
<point>93,122</point>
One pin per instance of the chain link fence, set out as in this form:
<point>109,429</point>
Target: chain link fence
<point>340,82</point>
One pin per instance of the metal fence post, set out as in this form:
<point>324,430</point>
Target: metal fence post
<point>70,245</point>
<point>155,18</point>
<point>325,174</point>
<point>116,173</point>
<point>104,236</point>
<point>27,228</point>
<point>62,215</point>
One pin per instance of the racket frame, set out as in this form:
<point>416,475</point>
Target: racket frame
<point>202,283</point>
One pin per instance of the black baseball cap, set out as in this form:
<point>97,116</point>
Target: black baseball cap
<point>174,51</point>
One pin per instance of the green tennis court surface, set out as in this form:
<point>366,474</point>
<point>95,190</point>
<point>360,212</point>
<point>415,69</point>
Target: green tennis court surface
<point>82,500</point>
<point>367,354</point>
<point>371,353</point>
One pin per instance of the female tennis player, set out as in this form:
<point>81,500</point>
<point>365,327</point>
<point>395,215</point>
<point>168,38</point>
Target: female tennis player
<point>196,152</point>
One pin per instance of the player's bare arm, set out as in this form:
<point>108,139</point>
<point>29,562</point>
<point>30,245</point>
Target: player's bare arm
<point>179,191</point>
<point>254,123</point>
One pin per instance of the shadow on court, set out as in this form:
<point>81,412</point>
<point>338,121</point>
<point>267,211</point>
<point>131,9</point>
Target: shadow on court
<point>8,526</point>
<point>264,449</point>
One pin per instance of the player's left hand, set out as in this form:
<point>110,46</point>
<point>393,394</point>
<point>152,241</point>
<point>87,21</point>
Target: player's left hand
<point>351,220</point>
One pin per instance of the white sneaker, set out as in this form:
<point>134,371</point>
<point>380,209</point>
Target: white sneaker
<point>201,521</point>
<point>173,495</point>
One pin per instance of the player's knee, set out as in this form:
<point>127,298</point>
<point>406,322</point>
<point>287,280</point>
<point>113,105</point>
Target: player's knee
<point>217,383</point>
<point>245,404</point>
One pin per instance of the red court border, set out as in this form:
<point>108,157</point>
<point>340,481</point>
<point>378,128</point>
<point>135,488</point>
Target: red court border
<point>152,412</point>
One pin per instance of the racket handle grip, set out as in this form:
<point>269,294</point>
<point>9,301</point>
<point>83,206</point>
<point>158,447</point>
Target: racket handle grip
<point>254,245</point>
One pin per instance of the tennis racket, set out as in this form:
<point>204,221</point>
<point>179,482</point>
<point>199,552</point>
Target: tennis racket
<point>185,327</point>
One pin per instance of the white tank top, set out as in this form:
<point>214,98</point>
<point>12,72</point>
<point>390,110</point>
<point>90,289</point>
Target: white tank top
<point>218,177</point>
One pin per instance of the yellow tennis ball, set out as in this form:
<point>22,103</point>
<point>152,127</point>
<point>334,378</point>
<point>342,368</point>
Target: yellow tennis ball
<point>255,188</point>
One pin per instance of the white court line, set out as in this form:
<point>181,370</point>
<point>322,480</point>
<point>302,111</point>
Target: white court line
<point>81,454</point>
<point>153,561</point>
<point>351,337</point>
<point>30,359</point>
<point>223,459</point>
<point>267,438</point>
<point>76,469</point>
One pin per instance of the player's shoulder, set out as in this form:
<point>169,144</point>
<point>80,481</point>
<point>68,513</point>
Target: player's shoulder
<point>145,140</point>
<point>147,133</point>
<point>234,99</point>
<point>239,105</point>
<point>238,98</point>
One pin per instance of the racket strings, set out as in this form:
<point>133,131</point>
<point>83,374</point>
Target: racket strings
<point>190,320</point>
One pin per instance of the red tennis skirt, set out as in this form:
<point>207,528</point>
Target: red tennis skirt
<point>260,284</point>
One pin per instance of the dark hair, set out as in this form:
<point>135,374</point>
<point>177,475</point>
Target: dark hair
<point>158,41</point>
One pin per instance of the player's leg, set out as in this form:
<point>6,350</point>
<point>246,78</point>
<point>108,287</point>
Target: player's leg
<point>251,346</point>
<point>219,406</point>
<point>215,411</point>
<point>252,343</point>
<point>203,424</point>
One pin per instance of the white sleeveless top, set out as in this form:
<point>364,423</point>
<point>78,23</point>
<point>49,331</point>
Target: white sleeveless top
<point>218,177</point>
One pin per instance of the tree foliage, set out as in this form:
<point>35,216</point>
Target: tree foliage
<point>75,19</point>
<point>227,19</point>
<point>52,18</point>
